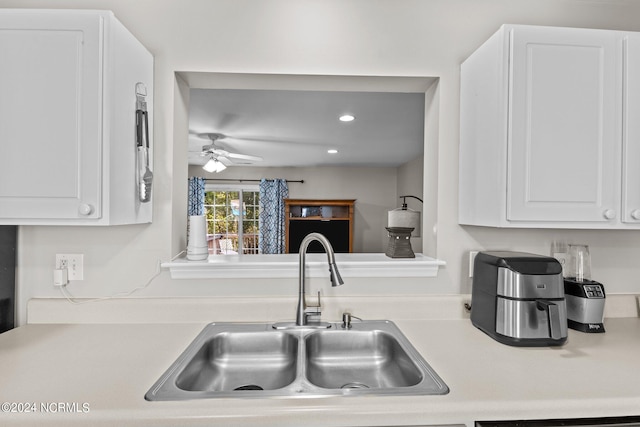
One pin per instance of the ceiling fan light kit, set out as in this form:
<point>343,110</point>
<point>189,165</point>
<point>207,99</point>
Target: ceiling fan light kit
<point>214,165</point>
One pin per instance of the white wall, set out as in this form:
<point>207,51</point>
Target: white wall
<point>344,37</point>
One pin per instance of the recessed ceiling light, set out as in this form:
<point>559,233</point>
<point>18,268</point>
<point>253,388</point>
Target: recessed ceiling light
<point>347,118</point>
<point>332,151</point>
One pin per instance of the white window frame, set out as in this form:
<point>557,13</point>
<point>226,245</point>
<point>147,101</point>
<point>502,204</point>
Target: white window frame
<point>239,188</point>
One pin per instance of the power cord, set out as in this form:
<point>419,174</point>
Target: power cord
<point>73,300</point>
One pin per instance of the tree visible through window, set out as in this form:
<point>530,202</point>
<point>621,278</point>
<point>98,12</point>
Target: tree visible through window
<point>232,219</point>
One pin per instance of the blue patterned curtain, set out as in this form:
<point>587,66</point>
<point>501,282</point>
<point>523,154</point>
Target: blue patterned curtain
<point>196,196</point>
<point>272,195</point>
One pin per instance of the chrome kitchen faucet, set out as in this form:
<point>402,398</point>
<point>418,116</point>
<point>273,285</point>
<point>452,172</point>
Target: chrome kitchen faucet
<point>336,280</point>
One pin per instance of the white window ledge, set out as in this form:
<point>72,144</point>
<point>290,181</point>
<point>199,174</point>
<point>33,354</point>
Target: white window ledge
<point>286,265</point>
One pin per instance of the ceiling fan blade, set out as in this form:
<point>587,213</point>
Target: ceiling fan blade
<point>265,140</point>
<point>220,153</point>
<point>220,138</point>
<point>244,157</point>
<point>225,161</point>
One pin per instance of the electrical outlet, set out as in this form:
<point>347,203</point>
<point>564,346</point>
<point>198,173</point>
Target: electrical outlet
<point>74,263</point>
<point>472,257</point>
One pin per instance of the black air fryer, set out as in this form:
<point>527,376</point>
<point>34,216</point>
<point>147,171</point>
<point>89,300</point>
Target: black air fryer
<point>518,298</point>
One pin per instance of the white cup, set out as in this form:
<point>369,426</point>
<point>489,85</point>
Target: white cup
<point>197,248</point>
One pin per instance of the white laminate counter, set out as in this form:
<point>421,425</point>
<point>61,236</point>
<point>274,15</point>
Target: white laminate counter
<point>108,368</point>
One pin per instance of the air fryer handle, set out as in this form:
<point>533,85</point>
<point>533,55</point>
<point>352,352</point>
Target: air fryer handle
<point>553,314</point>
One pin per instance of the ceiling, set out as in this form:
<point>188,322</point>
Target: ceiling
<point>296,128</point>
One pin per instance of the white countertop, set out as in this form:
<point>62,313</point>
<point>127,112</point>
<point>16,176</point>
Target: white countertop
<point>107,369</point>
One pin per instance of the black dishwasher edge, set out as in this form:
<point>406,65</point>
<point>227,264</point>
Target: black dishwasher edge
<point>626,421</point>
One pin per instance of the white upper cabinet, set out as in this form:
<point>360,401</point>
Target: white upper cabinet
<point>541,135</point>
<point>631,130</point>
<point>563,149</point>
<point>68,118</point>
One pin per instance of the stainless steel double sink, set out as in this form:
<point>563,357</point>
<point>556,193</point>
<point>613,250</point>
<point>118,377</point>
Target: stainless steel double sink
<point>255,360</point>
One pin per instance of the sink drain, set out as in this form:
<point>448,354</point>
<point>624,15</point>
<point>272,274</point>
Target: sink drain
<point>248,387</point>
<point>355,385</point>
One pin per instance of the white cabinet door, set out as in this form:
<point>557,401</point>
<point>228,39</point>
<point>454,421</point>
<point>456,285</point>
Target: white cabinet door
<point>631,131</point>
<point>69,83</point>
<point>50,116</point>
<point>564,139</point>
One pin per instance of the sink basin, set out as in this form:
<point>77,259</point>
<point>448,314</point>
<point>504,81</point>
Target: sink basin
<point>241,361</point>
<point>359,359</point>
<point>255,360</point>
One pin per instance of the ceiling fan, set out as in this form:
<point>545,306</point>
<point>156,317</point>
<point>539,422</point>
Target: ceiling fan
<point>219,158</point>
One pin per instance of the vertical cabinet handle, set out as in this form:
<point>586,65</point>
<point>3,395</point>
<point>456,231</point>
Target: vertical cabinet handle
<point>609,214</point>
